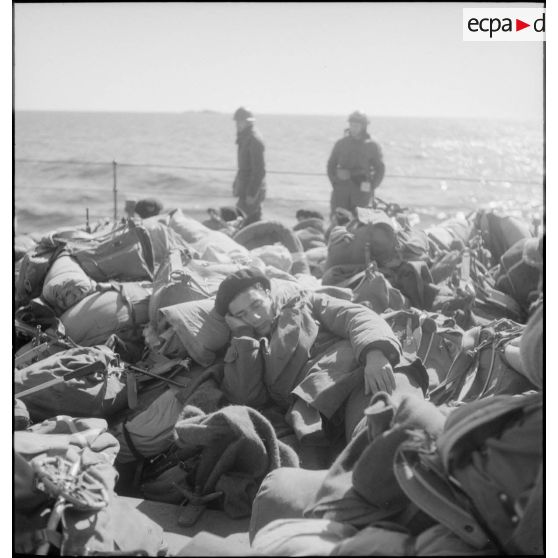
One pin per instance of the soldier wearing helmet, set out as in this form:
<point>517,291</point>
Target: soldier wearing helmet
<point>249,185</point>
<point>355,167</point>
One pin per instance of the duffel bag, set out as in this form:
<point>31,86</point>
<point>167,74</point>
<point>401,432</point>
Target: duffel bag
<point>122,309</point>
<point>66,284</point>
<point>163,238</point>
<point>208,243</point>
<point>177,282</point>
<point>124,254</point>
<point>100,393</point>
<point>32,272</point>
<point>72,458</point>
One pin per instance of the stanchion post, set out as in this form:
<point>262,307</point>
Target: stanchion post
<point>114,192</point>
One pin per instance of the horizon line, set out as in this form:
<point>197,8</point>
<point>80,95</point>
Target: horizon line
<point>221,112</point>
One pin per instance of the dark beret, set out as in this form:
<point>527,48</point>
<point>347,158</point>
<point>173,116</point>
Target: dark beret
<point>235,284</point>
<point>148,207</point>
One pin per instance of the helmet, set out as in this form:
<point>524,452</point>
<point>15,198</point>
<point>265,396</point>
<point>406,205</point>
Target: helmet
<point>358,116</point>
<point>243,114</point>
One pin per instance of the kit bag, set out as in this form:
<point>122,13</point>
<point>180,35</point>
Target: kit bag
<point>120,308</point>
<point>179,281</point>
<point>482,478</point>
<point>124,254</point>
<point>499,232</point>
<point>487,364</point>
<point>163,238</point>
<point>377,292</point>
<point>99,394</point>
<point>520,272</point>
<point>94,521</point>
<point>434,338</point>
<point>32,272</point>
<point>66,284</point>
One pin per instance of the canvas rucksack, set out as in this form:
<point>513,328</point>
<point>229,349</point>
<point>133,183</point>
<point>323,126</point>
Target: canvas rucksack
<point>123,254</point>
<point>101,393</point>
<point>488,363</point>
<point>482,478</point>
<point>64,496</point>
<point>32,272</point>
<point>434,338</point>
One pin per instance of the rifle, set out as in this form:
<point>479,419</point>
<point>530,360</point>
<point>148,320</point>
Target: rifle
<point>79,373</point>
<point>42,341</point>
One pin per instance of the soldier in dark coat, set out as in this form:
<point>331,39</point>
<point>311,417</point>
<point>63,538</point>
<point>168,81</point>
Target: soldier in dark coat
<point>355,167</point>
<point>249,185</point>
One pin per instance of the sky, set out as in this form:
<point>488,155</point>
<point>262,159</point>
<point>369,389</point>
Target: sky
<point>389,59</point>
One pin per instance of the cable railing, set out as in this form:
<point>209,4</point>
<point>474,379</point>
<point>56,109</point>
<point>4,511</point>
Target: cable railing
<point>115,165</point>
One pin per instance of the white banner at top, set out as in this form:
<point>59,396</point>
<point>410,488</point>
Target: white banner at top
<point>503,24</point>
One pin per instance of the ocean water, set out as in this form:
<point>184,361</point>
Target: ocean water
<point>64,164</point>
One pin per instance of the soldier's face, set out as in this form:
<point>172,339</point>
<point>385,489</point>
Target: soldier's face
<point>255,308</point>
<point>241,125</point>
<point>355,128</point>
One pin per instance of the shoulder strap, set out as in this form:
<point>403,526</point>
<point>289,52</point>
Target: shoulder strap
<point>434,495</point>
<point>477,413</point>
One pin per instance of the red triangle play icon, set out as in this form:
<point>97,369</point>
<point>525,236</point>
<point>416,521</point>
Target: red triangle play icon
<point>519,25</point>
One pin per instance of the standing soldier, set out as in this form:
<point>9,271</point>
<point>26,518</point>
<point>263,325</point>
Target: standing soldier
<point>249,184</point>
<point>355,166</point>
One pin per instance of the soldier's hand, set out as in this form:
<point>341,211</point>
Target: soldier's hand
<point>238,327</point>
<point>378,374</point>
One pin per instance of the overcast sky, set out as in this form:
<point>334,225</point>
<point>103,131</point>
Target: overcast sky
<point>392,59</point>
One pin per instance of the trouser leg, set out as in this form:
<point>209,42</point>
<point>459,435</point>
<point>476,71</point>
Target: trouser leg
<point>358,198</point>
<point>341,195</point>
<point>284,493</point>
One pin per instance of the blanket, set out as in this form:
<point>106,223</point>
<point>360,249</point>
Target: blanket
<point>236,448</point>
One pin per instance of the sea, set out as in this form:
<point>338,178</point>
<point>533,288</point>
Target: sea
<point>74,167</point>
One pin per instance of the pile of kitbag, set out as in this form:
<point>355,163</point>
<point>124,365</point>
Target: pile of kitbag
<point>117,369</point>
<point>119,328</point>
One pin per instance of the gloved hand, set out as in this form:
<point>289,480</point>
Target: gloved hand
<point>378,373</point>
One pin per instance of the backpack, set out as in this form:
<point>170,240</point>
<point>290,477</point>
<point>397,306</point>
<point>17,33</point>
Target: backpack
<point>118,308</point>
<point>487,364</point>
<point>499,232</point>
<point>72,458</point>
<point>520,272</point>
<point>124,254</point>
<point>482,478</point>
<point>32,272</point>
<point>434,338</point>
<point>98,394</point>
<point>376,291</point>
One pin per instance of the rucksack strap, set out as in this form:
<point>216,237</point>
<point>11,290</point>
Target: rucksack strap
<point>28,542</point>
<point>478,413</point>
<point>430,491</point>
<point>141,459</point>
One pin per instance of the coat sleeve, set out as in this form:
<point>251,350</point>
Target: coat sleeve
<point>365,329</point>
<point>257,166</point>
<point>243,382</point>
<point>378,165</point>
<point>332,164</point>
